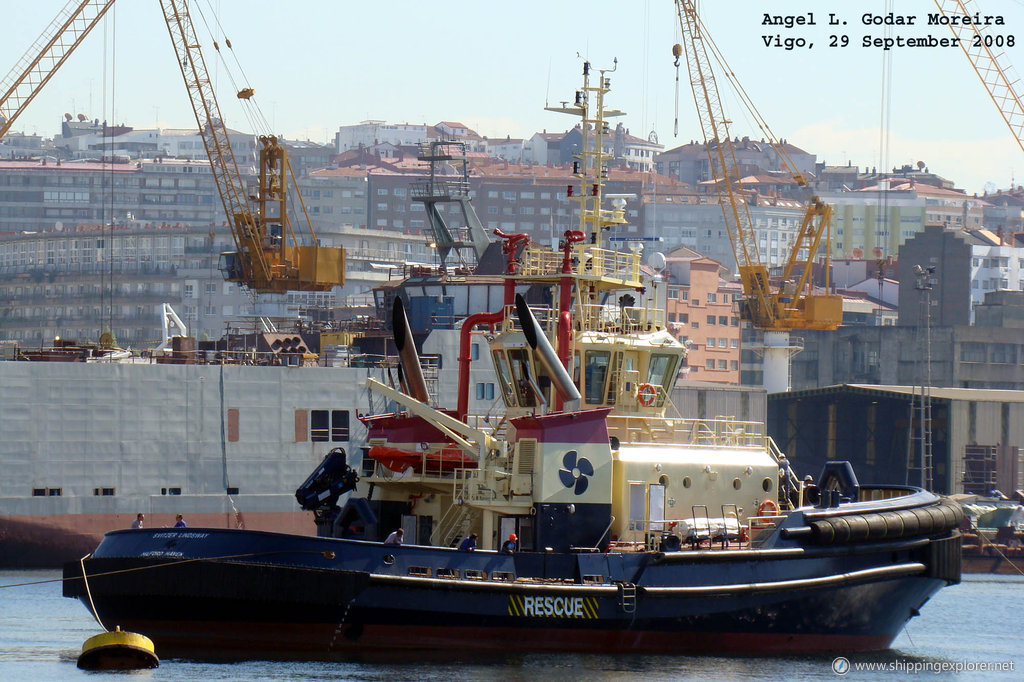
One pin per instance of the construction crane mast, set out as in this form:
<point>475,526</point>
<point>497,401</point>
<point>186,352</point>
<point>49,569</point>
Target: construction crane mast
<point>270,256</point>
<point>774,309</point>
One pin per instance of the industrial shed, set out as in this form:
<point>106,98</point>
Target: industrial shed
<point>977,435</point>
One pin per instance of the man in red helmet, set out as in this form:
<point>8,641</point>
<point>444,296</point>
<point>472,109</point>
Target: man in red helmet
<point>511,545</point>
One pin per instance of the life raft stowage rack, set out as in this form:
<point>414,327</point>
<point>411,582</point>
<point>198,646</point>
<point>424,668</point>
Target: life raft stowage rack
<point>890,525</point>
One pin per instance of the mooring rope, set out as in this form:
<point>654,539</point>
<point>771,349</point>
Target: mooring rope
<point>326,554</point>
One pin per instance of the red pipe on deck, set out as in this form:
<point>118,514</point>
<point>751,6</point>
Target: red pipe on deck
<point>509,248</point>
<point>565,304</point>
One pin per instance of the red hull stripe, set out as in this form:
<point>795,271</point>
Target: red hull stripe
<point>325,640</point>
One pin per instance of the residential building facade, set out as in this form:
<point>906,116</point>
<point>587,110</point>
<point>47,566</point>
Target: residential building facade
<point>700,308</point>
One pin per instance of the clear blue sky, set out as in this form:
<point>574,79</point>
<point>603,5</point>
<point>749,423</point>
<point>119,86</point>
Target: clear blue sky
<point>319,64</point>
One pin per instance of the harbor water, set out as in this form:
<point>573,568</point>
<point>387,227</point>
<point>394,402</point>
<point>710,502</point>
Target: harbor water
<point>971,628</point>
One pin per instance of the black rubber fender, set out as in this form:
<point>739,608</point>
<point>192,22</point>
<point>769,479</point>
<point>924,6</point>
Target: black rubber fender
<point>873,527</point>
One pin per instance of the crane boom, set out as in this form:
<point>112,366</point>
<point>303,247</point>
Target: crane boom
<point>990,63</point>
<point>268,256</point>
<point>786,307</point>
<point>69,28</point>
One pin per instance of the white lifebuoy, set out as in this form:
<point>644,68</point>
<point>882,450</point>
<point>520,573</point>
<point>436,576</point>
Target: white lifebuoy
<point>646,394</point>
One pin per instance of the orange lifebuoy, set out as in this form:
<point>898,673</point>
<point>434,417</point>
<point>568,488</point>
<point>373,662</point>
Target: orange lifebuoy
<point>769,506</point>
<point>645,394</point>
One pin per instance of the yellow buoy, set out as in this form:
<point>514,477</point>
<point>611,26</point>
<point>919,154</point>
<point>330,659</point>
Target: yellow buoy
<point>118,650</point>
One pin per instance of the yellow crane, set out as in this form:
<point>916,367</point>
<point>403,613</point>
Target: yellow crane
<point>777,309</point>
<point>990,62</point>
<point>270,256</point>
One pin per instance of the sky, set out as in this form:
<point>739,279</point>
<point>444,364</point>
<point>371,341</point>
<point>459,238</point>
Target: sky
<point>320,64</point>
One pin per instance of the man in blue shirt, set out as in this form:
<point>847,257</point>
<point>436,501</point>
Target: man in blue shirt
<point>179,522</point>
<point>468,543</point>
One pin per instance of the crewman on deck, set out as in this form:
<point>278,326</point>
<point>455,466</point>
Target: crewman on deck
<point>395,538</point>
<point>137,523</point>
<point>511,545</point>
<point>468,543</point>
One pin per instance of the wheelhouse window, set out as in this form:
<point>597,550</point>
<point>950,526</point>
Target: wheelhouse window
<point>519,359</point>
<point>662,368</point>
<point>501,367</point>
<point>596,372</point>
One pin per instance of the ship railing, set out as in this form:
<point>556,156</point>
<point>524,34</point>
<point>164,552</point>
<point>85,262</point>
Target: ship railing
<point>700,530</point>
<point>588,262</point>
<point>695,432</point>
<point>439,188</point>
<point>547,318</point>
<point>621,319</point>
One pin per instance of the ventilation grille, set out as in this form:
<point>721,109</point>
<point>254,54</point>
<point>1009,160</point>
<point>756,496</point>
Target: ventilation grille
<point>526,454</point>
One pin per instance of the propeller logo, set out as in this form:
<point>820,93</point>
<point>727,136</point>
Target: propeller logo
<point>574,472</point>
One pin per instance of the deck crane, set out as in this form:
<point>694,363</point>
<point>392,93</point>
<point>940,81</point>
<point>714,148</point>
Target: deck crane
<point>269,256</point>
<point>774,309</point>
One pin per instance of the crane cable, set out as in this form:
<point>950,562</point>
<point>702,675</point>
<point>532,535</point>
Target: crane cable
<point>884,124</point>
<point>254,115</point>
<point>107,173</point>
<point>748,104</point>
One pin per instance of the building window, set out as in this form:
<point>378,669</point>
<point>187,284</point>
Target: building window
<point>684,317</point>
<point>711,319</point>
<point>722,364</point>
<point>723,320</point>
<point>712,298</point>
<point>710,364</point>
<point>339,426</point>
<point>972,352</point>
<point>319,426</point>
<point>722,342</point>
<point>474,351</point>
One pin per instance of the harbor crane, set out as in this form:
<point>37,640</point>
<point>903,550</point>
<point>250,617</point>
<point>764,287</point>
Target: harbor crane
<point>270,255</point>
<point>776,309</point>
<point>990,62</point>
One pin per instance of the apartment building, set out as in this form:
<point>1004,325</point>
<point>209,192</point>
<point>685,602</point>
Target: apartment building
<point>875,221</point>
<point>968,266</point>
<point>689,163</point>
<point>700,309</point>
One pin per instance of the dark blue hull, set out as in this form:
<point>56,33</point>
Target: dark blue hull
<point>244,593</point>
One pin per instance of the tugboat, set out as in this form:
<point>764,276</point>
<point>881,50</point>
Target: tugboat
<point>601,522</point>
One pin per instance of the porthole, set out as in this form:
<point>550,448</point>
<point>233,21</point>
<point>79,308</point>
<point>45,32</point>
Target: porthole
<point>766,485</point>
<point>389,559</point>
<point>737,484</point>
<point>687,482</point>
<point>663,480</point>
